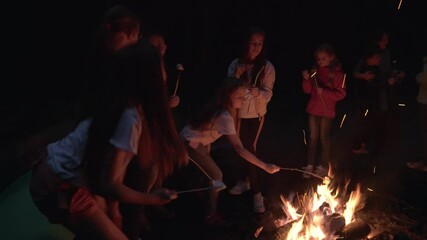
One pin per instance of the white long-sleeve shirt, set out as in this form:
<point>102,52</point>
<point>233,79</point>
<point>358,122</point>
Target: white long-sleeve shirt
<point>254,107</point>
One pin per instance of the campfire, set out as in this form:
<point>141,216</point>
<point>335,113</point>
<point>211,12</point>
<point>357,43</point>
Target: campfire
<point>327,212</point>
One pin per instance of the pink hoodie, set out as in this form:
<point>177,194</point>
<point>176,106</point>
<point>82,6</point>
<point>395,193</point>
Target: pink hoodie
<point>334,89</point>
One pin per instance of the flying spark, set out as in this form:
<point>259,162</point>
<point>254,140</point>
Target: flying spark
<point>400,4</point>
<point>342,121</point>
<point>305,140</point>
<point>312,75</point>
<point>343,81</point>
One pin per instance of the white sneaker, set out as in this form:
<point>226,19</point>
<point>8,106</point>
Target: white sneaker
<point>259,203</point>
<point>417,166</point>
<point>218,185</point>
<point>321,171</point>
<point>309,168</point>
<point>240,187</point>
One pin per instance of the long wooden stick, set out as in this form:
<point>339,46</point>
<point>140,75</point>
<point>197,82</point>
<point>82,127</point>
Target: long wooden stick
<point>256,77</point>
<point>321,98</point>
<point>195,190</point>
<point>201,169</point>
<point>299,170</point>
<point>255,98</point>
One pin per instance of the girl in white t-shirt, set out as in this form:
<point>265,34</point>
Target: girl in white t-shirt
<point>219,118</point>
<point>82,181</point>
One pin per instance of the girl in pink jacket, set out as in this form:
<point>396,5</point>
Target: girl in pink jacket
<point>326,86</point>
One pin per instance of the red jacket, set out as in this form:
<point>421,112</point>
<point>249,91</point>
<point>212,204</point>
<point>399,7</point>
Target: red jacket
<point>334,89</point>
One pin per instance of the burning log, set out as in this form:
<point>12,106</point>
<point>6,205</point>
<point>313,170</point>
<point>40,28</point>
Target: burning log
<point>332,221</point>
<point>357,229</point>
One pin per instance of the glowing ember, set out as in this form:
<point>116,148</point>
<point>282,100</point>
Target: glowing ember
<point>342,121</point>
<point>343,81</point>
<point>305,140</point>
<point>400,4</point>
<point>258,231</point>
<point>322,213</point>
<point>312,75</point>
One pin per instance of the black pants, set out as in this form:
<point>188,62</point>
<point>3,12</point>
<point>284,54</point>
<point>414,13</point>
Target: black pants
<point>372,128</point>
<point>250,130</point>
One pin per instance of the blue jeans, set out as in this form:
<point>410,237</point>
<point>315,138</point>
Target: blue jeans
<point>319,129</point>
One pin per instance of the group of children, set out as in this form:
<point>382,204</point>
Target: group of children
<point>97,180</point>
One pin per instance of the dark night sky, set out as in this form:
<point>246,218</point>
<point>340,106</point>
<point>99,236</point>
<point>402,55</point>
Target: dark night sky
<point>47,41</point>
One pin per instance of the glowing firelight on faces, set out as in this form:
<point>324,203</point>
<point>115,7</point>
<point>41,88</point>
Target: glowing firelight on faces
<point>237,98</point>
<point>309,222</point>
<point>255,45</point>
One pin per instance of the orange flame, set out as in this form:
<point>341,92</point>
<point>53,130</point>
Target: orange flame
<point>316,206</point>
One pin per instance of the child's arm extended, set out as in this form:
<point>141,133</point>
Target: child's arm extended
<point>112,183</point>
<point>248,156</point>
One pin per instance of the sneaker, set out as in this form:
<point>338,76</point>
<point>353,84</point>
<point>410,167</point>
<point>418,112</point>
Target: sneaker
<point>259,203</point>
<point>417,166</point>
<point>321,171</point>
<point>218,185</point>
<point>309,168</point>
<point>240,187</point>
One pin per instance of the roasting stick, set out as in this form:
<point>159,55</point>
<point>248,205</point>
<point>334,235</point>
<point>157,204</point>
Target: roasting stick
<point>299,170</point>
<point>317,86</point>
<point>194,190</point>
<point>218,185</point>
<point>255,98</point>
